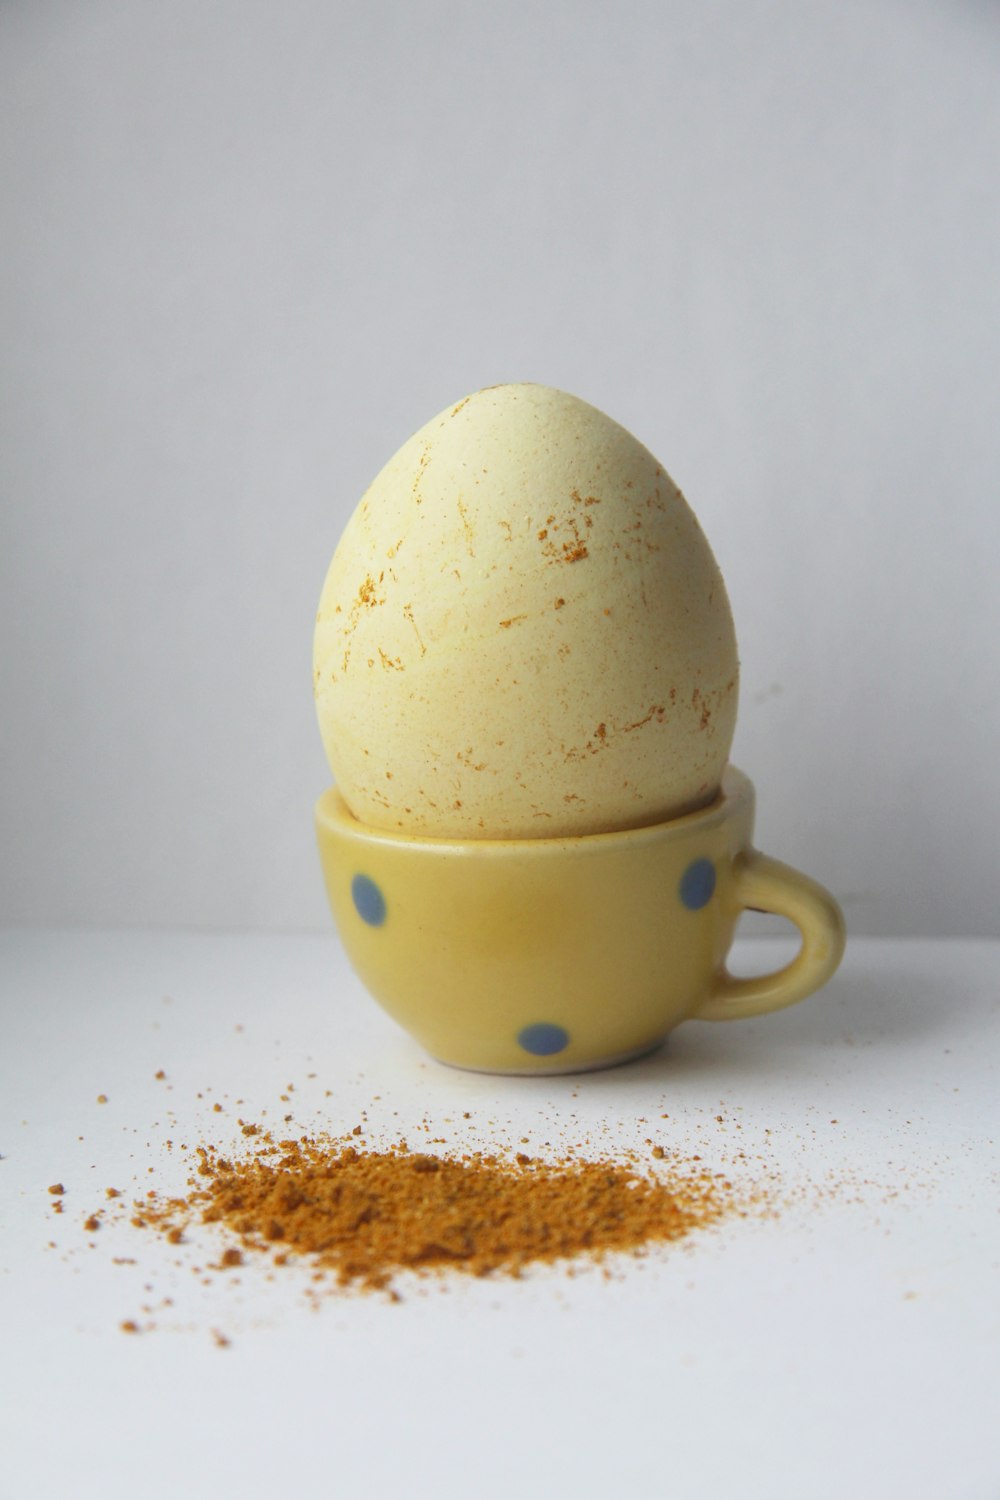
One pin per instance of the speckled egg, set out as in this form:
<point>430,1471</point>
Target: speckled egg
<point>523,632</point>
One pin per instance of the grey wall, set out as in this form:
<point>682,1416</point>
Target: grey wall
<point>249,247</point>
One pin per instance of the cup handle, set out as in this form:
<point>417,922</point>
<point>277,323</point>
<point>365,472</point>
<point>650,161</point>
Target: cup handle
<point>765,884</point>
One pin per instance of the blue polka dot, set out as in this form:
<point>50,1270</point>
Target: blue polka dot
<point>543,1039</point>
<point>698,884</point>
<point>369,901</point>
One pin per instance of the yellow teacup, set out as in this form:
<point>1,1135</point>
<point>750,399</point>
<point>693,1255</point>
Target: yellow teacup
<point>558,955</point>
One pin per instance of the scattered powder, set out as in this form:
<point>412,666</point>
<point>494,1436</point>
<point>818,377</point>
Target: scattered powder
<point>354,1213</point>
<point>365,1215</point>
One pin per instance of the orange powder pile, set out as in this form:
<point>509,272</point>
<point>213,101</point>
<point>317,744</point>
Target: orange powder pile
<point>365,1215</point>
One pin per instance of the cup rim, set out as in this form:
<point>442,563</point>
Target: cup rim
<point>735,791</point>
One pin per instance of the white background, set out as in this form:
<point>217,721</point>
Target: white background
<point>247,248</point>
<point>846,1346</point>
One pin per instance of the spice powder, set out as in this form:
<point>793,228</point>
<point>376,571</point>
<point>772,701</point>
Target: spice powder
<point>368,1214</point>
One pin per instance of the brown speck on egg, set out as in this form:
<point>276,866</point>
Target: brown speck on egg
<point>408,615</point>
<point>463,512</point>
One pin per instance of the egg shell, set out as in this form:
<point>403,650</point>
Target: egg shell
<point>523,632</point>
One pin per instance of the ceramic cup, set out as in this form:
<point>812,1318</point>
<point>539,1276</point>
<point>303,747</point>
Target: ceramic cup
<point>559,955</point>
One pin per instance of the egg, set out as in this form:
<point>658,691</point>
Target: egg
<point>523,632</point>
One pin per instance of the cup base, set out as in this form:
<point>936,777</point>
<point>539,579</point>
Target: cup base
<point>556,1070</point>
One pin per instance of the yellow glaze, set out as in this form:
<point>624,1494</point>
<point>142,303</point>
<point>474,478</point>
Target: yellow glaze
<point>556,955</point>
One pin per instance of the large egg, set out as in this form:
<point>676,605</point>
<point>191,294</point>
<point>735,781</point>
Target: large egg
<point>523,632</point>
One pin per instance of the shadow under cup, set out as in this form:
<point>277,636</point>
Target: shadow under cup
<point>559,955</point>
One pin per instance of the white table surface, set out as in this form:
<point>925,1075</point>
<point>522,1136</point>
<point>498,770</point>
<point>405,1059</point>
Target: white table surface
<point>848,1346</point>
